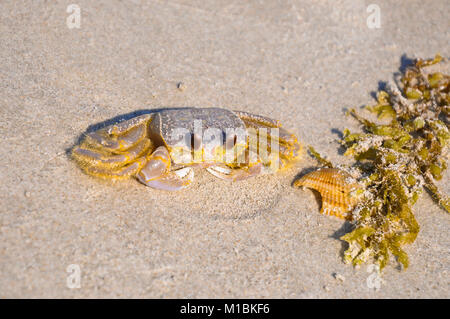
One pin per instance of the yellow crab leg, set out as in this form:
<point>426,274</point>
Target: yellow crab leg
<point>257,119</point>
<point>284,136</point>
<point>101,140</point>
<point>119,173</point>
<point>287,137</point>
<point>88,156</point>
<point>288,148</point>
<point>122,127</point>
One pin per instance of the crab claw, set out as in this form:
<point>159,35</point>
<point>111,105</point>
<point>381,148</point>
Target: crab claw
<point>174,180</point>
<point>156,172</point>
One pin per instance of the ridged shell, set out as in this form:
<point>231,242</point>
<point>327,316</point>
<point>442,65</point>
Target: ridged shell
<point>337,189</point>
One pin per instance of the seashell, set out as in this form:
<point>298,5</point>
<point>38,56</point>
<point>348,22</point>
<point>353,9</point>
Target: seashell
<point>337,189</point>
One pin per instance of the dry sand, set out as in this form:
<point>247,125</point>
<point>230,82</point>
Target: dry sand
<point>301,62</point>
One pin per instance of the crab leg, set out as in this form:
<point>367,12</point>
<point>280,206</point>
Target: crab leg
<point>225,172</point>
<point>257,119</point>
<point>100,139</point>
<point>98,158</point>
<point>253,168</point>
<point>290,153</point>
<point>287,137</point>
<point>288,145</point>
<point>115,151</point>
<point>124,126</point>
<point>156,172</point>
<point>173,180</point>
<point>119,173</point>
<point>120,136</point>
<point>284,135</point>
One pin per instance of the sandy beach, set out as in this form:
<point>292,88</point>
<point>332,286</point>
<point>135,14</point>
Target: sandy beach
<point>301,62</point>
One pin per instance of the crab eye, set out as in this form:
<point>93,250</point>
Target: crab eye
<point>230,141</point>
<point>196,141</point>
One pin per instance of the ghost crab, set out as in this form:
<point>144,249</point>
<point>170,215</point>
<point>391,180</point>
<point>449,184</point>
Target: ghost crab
<point>160,149</point>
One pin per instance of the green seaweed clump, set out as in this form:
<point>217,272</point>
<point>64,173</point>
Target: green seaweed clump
<point>395,161</point>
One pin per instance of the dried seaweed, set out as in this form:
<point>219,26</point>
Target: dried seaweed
<point>395,161</point>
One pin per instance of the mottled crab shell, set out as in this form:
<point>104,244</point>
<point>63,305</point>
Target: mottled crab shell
<point>165,122</point>
<point>337,189</point>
